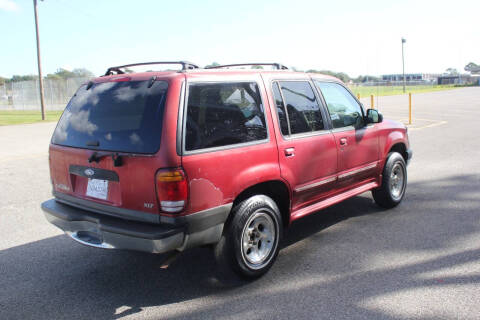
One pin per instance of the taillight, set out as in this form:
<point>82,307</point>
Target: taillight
<point>172,190</point>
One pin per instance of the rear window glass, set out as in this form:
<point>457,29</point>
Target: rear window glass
<point>114,116</point>
<point>220,114</point>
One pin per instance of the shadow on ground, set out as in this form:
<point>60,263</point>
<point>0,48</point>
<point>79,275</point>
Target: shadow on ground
<point>323,268</point>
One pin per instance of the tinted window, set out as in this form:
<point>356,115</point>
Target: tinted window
<point>343,108</point>
<point>304,113</point>
<point>282,118</point>
<point>220,114</point>
<point>115,116</point>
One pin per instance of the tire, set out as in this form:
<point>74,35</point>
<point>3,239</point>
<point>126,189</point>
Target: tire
<point>250,241</point>
<point>394,182</point>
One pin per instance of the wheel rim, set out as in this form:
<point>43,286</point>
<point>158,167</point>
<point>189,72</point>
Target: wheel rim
<point>258,240</point>
<point>397,181</point>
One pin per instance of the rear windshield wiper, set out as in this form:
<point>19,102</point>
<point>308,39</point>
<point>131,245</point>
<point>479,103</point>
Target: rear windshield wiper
<point>116,158</point>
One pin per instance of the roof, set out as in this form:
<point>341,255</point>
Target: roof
<point>201,73</point>
<point>190,70</point>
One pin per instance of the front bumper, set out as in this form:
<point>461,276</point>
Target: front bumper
<point>101,231</point>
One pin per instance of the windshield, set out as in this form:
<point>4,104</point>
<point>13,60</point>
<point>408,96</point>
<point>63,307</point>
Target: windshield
<point>121,116</point>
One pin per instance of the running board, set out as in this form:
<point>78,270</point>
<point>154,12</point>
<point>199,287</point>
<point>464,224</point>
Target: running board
<point>331,201</point>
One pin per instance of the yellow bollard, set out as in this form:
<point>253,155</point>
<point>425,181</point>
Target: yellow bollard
<point>409,108</point>
<point>358,96</point>
<point>372,106</point>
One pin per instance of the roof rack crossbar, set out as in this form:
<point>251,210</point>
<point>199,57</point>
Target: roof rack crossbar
<point>185,66</point>
<point>278,66</point>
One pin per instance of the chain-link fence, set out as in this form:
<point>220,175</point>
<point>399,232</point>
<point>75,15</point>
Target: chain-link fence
<point>25,95</point>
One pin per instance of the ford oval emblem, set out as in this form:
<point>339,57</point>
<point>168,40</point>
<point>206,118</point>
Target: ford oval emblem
<point>89,172</point>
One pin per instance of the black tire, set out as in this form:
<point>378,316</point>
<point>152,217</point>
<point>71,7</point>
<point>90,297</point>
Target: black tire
<point>231,254</point>
<point>391,193</point>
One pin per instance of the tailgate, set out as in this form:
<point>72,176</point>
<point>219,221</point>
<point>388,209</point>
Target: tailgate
<point>105,150</point>
<point>127,191</point>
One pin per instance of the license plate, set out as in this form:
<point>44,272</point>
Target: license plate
<point>97,188</point>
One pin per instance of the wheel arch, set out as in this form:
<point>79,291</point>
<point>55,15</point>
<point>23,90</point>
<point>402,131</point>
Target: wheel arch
<point>401,148</point>
<point>278,190</point>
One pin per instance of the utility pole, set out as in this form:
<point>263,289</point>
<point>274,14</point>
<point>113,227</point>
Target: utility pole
<point>40,77</point>
<point>403,64</point>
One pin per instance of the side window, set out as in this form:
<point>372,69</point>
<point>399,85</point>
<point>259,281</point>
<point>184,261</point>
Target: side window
<point>282,117</point>
<point>220,114</point>
<point>303,110</point>
<point>343,108</point>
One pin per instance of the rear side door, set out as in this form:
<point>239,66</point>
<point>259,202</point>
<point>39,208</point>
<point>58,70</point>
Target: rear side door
<point>306,148</point>
<point>226,145</point>
<point>357,144</point>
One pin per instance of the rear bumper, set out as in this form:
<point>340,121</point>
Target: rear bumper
<point>101,231</point>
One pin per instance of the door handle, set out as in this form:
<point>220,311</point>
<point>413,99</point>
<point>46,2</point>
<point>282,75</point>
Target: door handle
<point>289,152</point>
<point>343,141</point>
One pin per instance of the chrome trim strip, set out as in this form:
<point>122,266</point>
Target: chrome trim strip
<point>315,184</point>
<point>351,173</point>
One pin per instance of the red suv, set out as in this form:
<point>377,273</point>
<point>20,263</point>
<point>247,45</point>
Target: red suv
<point>163,161</point>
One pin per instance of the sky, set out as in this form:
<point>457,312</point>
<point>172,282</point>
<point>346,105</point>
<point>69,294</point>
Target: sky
<point>355,37</point>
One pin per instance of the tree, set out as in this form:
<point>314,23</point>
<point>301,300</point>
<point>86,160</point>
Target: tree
<point>213,64</point>
<point>366,78</point>
<point>61,74</point>
<point>82,72</point>
<point>473,68</point>
<point>452,71</point>
<point>17,78</point>
<point>340,75</point>
<point>66,74</point>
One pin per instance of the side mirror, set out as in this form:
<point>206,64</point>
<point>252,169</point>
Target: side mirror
<point>373,116</point>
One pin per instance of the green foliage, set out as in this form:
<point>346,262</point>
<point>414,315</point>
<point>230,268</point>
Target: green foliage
<point>213,64</point>
<point>21,117</point>
<point>66,74</point>
<point>58,75</point>
<point>472,67</point>
<point>452,71</point>
<point>366,91</point>
<point>366,78</point>
<point>17,78</point>
<point>340,75</point>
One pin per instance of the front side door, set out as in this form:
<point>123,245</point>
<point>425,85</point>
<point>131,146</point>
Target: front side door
<point>357,144</point>
<point>307,149</point>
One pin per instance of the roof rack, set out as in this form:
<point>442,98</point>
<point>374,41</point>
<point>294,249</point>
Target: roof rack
<point>278,66</point>
<point>185,66</point>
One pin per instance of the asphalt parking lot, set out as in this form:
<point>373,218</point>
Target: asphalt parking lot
<point>350,261</point>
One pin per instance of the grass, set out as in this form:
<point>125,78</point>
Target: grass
<point>396,90</point>
<point>8,117</point>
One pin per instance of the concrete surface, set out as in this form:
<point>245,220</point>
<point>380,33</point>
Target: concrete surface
<point>351,261</point>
